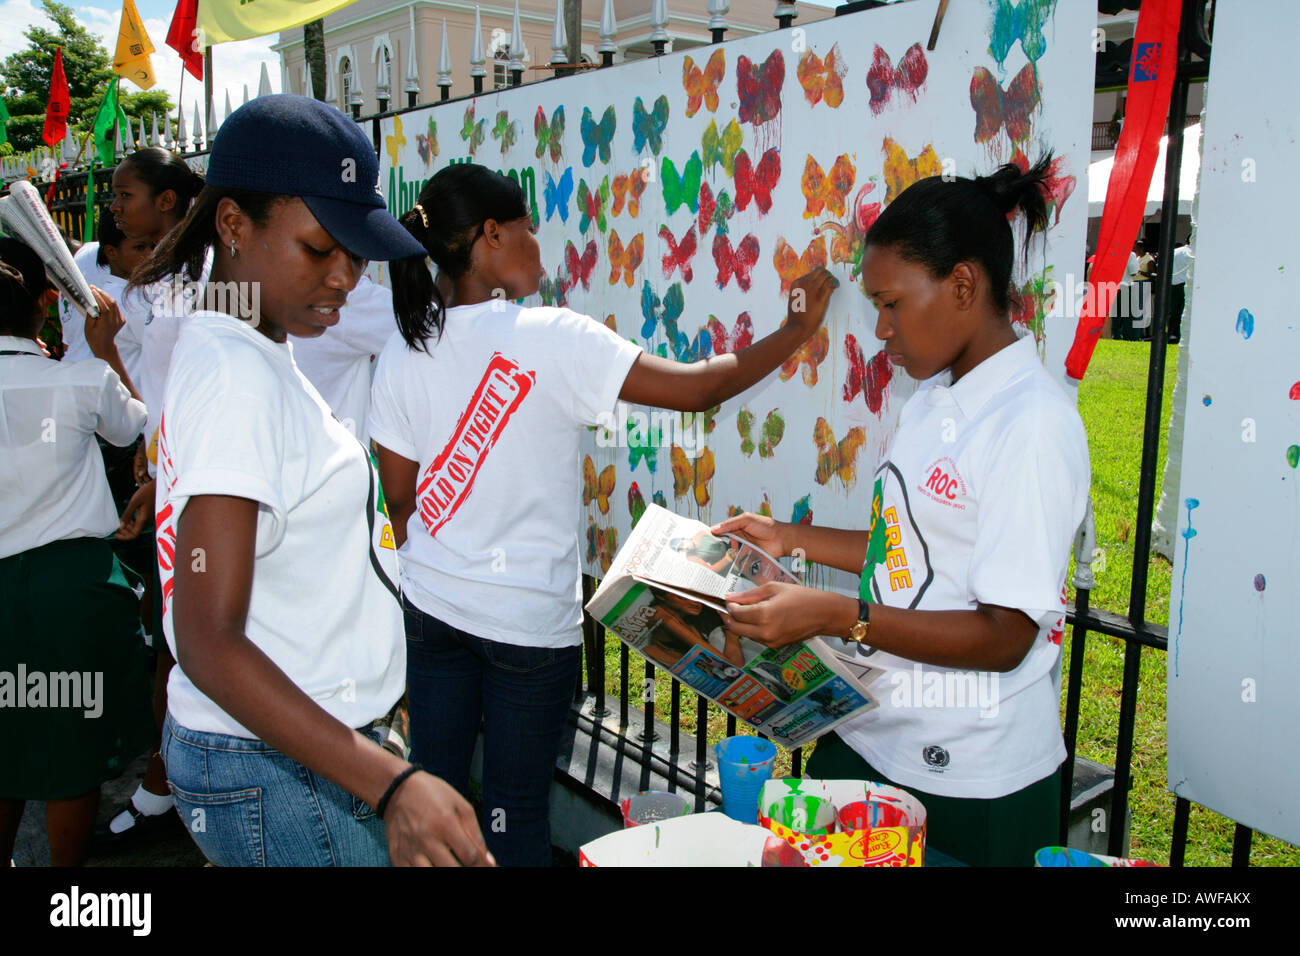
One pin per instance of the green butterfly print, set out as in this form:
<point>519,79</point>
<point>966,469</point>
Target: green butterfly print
<point>472,132</point>
<point>505,131</point>
<point>550,136</point>
<point>772,432</point>
<point>643,447</point>
<point>684,189</point>
<point>721,147</point>
<point>592,203</point>
<point>706,418</point>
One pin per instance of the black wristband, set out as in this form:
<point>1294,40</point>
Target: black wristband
<point>392,788</point>
<point>864,611</point>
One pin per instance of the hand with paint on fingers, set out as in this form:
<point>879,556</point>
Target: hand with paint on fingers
<point>779,613</point>
<point>810,294</point>
<point>770,535</point>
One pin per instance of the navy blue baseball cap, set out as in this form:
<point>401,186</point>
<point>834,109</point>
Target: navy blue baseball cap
<point>297,146</point>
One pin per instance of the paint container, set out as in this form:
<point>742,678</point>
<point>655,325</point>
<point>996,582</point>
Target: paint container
<point>802,813</point>
<point>744,765</point>
<point>652,806</point>
<point>868,814</point>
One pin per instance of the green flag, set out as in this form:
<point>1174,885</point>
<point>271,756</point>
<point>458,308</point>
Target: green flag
<point>108,113</point>
<point>4,121</point>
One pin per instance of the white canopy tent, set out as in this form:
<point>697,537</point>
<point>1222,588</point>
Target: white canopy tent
<point>1099,177</point>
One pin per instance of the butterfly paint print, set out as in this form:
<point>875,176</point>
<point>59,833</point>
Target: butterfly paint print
<point>702,85</point>
<point>591,204</point>
<point>735,261</point>
<point>1023,22</point>
<point>802,511</point>
<point>648,127</point>
<point>871,379</point>
<point>720,148</point>
<point>505,131</point>
<point>770,434</point>
<point>597,137</point>
<point>579,267</point>
<point>427,146</point>
<point>627,188</point>
<point>665,312</point>
<point>393,144</point>
<point>790,265</point>
<point>807,357</point>
<point>757,182</point>
<point>823,80</point>
<point>1059,188</point>
<point>837,459</point>
<point>883,78</point>
<point>602,545</point>
<point>1033,302</point>
<point>900,171</point>
<point>557,195</point>
<point>714,212</point>
<point>827,193</point>
<point>679,255</point>
<point>1011,108</point>
<point>740,337</point>
<point>625,260</point>
<point>692,475</point>
<point>643,445</point>
<point>635,503</point>
<point>597,488</point>
<point>473,133</point>
<point>683,189</point>
<point>759,88</point>
<point>554,292</point>
<point>550,135</point>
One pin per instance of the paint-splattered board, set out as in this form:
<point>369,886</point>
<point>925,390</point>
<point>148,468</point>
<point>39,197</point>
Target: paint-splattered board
<point>1234,643</point>
<point>677,197</point>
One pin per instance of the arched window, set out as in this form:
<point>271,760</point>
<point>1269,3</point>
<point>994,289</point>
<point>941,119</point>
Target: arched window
<point>345,83</point>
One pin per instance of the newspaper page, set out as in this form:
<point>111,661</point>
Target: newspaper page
<point>663,597</point>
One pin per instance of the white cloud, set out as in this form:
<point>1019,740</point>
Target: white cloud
<point>234,64</point>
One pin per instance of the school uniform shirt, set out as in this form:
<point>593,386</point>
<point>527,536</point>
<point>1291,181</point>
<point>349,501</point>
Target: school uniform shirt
<point>52,484</point>
<point>977,502</point>
<point>493,415</point>
<point>165,306</point>
<point>240,419</point>
<point>339,363</point>
<point>132,307</point>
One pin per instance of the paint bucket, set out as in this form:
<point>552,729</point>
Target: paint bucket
<point>744,765</point>
<point>869,814</point>
<point>652,806</point>
<point>802,813</point>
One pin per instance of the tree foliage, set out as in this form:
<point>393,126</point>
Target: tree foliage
<point>88,66</point>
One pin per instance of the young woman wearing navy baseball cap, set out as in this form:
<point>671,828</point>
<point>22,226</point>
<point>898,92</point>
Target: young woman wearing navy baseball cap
<point>972,516</point>
<point>477,411</point>
<point>280,599</point>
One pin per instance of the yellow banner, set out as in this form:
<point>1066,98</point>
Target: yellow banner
<point>131,61</point>
<point>221,21</point>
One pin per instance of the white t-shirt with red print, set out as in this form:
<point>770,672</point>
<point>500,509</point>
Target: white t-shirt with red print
<point>978,500</point>
<point>240,419</point>
<point>493,414</point>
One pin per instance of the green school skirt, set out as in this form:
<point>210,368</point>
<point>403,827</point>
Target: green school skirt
<point>75,694</point>
<point>1004,831</point>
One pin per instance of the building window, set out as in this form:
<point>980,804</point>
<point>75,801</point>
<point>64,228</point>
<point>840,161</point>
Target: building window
<point>345,84</point>
<point>500,75</point>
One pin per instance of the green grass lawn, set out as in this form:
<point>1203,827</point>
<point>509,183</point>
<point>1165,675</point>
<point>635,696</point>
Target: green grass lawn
<point>1111,402</point>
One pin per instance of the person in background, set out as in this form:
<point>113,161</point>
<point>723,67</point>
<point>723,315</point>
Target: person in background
<point>1178,290</point>
<point>339,363</point>
<point>67,606</point>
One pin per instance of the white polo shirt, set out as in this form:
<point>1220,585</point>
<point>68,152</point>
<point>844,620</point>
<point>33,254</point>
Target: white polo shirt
<point>977,502</point>
<point>339,363</point>
<point>493,414</point>
<point>132,306</point>
<point>52,484</point>
<point>240,419</point>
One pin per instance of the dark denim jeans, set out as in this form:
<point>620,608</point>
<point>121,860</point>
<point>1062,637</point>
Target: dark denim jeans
<point>520,696</point>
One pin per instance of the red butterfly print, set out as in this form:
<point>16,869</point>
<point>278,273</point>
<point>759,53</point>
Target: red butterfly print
<point>883,78</point>
<point>759,87</point>
<point>736,261</point>
<point>580,268</point>
<point>870,378</point>
<point>756,184</point>
<point>1059,188</point>
<point>741,337</point>
<point>678,256</point>
<point>995,107</point>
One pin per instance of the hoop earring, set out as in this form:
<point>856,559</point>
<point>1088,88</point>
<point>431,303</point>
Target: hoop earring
<point>233,251</point>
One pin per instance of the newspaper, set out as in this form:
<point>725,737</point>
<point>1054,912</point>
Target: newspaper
<point>664,596</point>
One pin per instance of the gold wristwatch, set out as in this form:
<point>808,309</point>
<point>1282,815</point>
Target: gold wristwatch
<point>858,632</point>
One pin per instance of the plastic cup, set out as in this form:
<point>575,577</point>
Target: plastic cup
<point>803,813</point>
<point>652,806</point>
<point>744,765</point>
<point>866,815</point>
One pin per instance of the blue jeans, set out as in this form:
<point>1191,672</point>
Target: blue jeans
<point>520,696</point>
<point>247,804</point>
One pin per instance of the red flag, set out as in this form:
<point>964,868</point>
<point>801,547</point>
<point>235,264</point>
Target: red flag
<point>56,111</point>
<point>1151,78</point>
<point>183,36</point>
